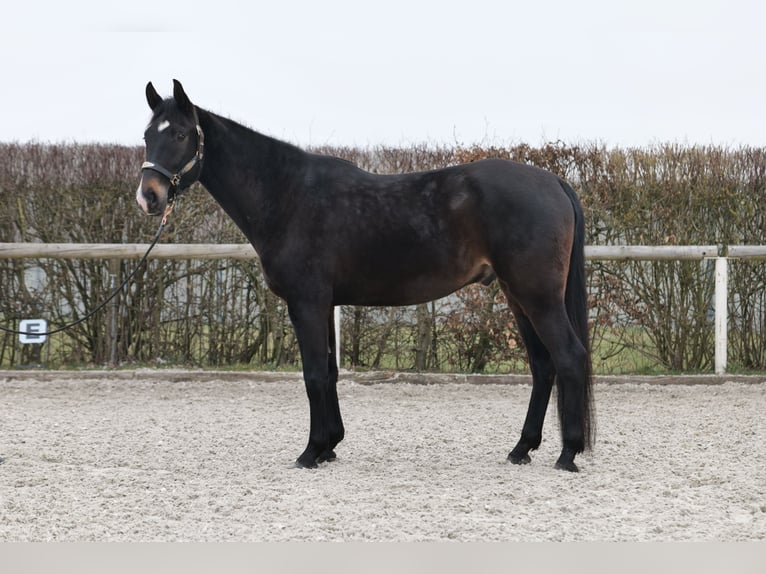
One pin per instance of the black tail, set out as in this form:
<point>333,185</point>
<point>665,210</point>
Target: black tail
<point>576,300</point>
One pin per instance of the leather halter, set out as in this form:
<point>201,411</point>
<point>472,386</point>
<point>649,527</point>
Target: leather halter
<point>177,183</point>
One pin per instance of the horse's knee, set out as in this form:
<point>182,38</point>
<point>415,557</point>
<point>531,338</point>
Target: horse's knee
<point>317,379</point>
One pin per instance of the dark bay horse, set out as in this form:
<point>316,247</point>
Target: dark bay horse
<point>328,233</point>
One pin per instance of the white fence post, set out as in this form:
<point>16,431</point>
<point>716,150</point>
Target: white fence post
<point>337,335</point>
<point>721,314</point>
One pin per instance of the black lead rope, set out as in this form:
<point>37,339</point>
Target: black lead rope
<point>132,274</point>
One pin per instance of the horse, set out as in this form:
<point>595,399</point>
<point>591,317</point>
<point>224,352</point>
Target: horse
<point>329,233</point>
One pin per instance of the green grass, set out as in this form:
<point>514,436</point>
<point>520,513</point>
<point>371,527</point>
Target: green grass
<point>630,355</point>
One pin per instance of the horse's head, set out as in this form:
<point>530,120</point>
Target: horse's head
<point>174,150</point>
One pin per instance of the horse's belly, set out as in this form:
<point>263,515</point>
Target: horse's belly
<point>375,289</point>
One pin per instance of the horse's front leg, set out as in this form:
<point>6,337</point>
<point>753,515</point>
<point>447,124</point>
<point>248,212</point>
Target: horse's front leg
<point>311,328</point>
<point>337,431</point>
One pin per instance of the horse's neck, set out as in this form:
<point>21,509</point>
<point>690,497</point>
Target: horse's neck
<point>250,175</point>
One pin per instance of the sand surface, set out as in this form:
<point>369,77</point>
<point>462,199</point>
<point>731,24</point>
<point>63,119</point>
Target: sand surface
<point>197,458</point>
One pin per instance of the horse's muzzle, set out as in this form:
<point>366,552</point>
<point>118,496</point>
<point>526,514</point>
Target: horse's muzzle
<point>152,195</point>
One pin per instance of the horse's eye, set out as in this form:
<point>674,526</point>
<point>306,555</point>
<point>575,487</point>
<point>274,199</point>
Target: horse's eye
<point>180,136</point>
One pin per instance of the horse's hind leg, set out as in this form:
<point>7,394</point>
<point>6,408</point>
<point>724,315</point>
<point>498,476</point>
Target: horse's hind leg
<point>543,373</point>
<point>555,354</point>
<point>570,360</point>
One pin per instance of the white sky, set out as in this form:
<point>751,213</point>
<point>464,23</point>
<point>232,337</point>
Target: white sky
<point>394,72</point>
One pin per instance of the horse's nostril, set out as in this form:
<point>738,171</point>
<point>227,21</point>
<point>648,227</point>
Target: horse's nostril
<point>151,198</point>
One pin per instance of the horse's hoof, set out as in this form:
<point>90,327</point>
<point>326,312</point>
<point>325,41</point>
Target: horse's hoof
<point>302,464</point>
<point>327,456</point>
<point>515,459</point>
<point>568,466</point>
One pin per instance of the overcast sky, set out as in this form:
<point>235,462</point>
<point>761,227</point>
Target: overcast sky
<point>392,71</point>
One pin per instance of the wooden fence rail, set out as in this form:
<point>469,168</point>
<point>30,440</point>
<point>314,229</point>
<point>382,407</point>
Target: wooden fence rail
<point>246,251</point>
<point>126,251</point>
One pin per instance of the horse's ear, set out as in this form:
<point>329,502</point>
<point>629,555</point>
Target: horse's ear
<point>152,97</point>
<point>181,98</point>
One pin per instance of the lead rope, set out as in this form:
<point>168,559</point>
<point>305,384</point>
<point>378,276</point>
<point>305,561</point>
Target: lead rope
<point>165,215</point>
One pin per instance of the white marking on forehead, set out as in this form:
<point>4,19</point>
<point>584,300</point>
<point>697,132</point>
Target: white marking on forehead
<point>163,126</point>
